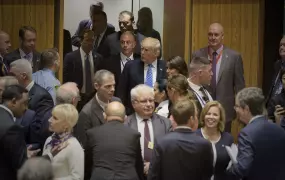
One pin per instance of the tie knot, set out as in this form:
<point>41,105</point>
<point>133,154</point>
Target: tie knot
<point>128,59</point>
<point>201,88</point>
<point>145,120</point>
<point>150,65</point>
<point>215,53</point>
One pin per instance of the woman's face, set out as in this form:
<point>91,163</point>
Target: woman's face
<point>171,71</point>
<point>158,96</point>
<point>212,117</point>
<point>57,124</point>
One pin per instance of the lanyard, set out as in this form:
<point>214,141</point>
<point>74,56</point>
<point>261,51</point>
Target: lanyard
<point>201,100</point>
<point>218,57</point>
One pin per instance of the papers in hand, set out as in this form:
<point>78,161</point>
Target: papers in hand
<point>232,152</point>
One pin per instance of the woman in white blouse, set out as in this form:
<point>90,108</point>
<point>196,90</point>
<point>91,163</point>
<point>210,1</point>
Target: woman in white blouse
<point>68,164</point>
<point>161,98</point>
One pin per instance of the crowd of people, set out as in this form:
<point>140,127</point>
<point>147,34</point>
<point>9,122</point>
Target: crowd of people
<point>122,112</point>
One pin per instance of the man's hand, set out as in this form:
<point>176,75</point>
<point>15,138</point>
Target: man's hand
<point>55,150</point>
<point>32,153</point>
<point>279,111</point>
<point>146,167</point>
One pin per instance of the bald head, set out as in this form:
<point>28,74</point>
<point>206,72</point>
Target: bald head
<point>67,93</point>
<point>5,43</point>
<point>115,111</point>
<point>215,36</point>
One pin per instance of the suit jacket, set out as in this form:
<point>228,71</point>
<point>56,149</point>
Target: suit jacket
<point>230,75</point>
<point>132,75</point>
<point>276,100</point>
<point>181,155</point>
<point>261,150</point>
<point>111,45</point>
<point>113,64</point>
<point>72,67</point>
<point>116,152</point>
<point>86,24</point>
<point>15,55</point>
<point>160,125</point>
<point>3,67</point>
<point>25,122</point>
<point>13,151</point>
<point>67,46</point>
<point>41,102</point>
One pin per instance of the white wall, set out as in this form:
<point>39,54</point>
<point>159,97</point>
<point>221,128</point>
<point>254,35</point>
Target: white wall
<point>77,10</point>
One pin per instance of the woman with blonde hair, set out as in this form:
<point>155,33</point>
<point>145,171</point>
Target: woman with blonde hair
<point>68,164</point>
<point>212,120</point>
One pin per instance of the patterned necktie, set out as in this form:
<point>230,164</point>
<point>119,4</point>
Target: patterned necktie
<point>95,47</point>
<point>205,97</point>
<point>147,140</point>
<point>88,81</point>
<point>213,81</point>
<point>148,79</point>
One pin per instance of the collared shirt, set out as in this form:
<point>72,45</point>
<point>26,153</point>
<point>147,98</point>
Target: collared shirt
<point>254,118</point>
<point>46,79</point>
<point>183,127</point>
<point>29,86</point>
<point>198,93</point>
<point>141,125</point>
<point>124,60</point>
<point>101,103</point>
<point>8,110</point>
<point>154,71</point>
<point>24,56</point>
<point>83,57</point>
<point>219,60</point>
<point>101,35</point>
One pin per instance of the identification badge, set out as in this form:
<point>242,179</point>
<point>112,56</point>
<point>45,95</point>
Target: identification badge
<point>150,145</point>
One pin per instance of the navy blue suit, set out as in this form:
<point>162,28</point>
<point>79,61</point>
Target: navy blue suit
<point>25,122</point>
<point>261,152</point>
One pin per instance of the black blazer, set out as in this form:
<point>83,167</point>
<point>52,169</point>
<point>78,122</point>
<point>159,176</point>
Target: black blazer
<point>115,151</point>
<point>15,55</point>
<point>132,75</point>
<point>3,67</point>
<point>181,155</point>
<point>41,102</point>
<point>72,67</point>
<point>13,151</point>
<point>276,100</point>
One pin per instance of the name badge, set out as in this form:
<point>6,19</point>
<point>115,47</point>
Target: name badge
<point>150,145</point>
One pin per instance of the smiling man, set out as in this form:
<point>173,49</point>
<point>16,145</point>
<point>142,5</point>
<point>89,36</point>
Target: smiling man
<point>227,70</point>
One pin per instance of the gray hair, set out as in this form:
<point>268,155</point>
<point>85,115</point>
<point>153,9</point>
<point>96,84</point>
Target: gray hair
<point>23,66</point>
<point>36,168</point>
<point>253,98</point>
<point>66,93</point>
<point>139,90</point>
<point>99,75</point>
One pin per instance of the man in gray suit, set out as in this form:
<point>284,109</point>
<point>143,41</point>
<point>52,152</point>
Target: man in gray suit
<point>227,67</point>
<point>149,124</point>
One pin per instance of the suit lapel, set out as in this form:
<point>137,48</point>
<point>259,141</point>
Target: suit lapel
<point>141,72</point>
<point>223,64</point>
<point>159,70</point>
<point>78,64</point>
<point>157,126</point>
<point>96,110</point>
<point>133,122</point>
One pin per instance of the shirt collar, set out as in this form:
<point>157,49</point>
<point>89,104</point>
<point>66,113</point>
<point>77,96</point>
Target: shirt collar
<point>195,87</point>
<point>154,64</point>
<point>22,53</point>
<point>101,103</point>
<point>254,118</point>
<point>8,110</point>
<point>139,118</point>
<point>29,86</point>
<point>183,127</point>
<point>83,52</point>
<point>49,71</point>
<point>124,57</point>
<point>218,51</point>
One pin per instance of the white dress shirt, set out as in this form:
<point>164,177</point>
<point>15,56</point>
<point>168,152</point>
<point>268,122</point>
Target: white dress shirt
<point>199,94</point>
<point>124,60</point>
<point>23,56</point>
<point>162,108</point>
<point>154,71</point>
<point>83,57</point>
<point>141,125</point>
<point>29,86</point>
<point>101,103</point>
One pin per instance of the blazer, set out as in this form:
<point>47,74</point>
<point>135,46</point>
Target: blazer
<point>276,100</point>
<point>41,102</point>
<point>261,150</point>
<point>72,67</point>
<point>116,152</point>
<point>86,24</point>
<point>3,67</point>
<point>67,45</point>
<point>15,55</point>
<point>13,151</point>
<point>112,46</point>
<point>181,155</point>
<point>132,75</point>
<point>160,125</point>
<point>231,75</point>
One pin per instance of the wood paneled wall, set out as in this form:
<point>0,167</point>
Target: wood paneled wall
<point>36,13</point>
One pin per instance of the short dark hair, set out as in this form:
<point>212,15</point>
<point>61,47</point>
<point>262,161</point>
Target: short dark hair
<point>98,13</point>
<point>128,13</point>
<point>178,63</point>
<point>183,110</point>
<point>198,62</point>
<point>23,29</point>
<point>48,57</point>
<point>162,85</point>
<point>13,92</point>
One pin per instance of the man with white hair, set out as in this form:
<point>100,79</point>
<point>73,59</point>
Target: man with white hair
<point>149,124</point>
<point>147,71</point>
<point>40,100</point>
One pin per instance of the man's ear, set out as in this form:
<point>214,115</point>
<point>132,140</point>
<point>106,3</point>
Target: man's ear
<point>13,102</point>
<point>96,86</point>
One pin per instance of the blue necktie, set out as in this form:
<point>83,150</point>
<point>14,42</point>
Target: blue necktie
<point>88,81</point>
<point>148,79</point>
<point>213,81</point>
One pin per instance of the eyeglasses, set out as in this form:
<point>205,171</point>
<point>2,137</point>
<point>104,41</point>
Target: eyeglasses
<point>144,102</point>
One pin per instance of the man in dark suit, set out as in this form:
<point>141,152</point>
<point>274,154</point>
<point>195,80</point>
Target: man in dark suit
<point>111,45</point>
<point>14,151</point>
<point>5,45</point>
<point>28,37</point>
<point>227,70</point>
<point>97,21</point>
<point>182,154</point>
<point>40,100</point>
<point>151,126</point>
<point>115,148</point>
<point>261,144</point>
<point>80,66</point>
<point>116,63</point>
<point>145,71</point>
